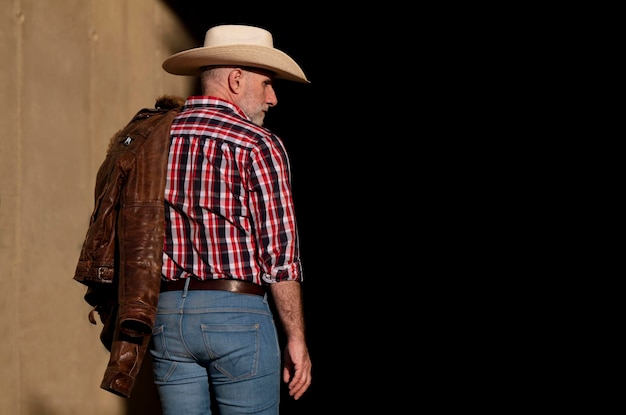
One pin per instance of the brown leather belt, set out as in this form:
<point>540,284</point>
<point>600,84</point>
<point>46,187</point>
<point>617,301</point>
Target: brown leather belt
<point>234,286</point>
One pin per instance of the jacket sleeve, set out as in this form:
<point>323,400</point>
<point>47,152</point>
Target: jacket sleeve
<point>140,226</point>
<point>140,231</point>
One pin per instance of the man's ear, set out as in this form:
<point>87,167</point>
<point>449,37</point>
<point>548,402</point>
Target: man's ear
<point>234,79</point>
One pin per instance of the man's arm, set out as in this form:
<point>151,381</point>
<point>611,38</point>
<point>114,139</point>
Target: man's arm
<point>287,297</point>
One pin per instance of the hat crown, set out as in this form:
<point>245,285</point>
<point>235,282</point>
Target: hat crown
<point>228,35</point>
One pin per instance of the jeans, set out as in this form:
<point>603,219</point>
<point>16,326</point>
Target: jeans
<point>216,345</point>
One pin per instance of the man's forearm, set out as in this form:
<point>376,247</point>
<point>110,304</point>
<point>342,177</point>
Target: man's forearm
<point>288,301</point>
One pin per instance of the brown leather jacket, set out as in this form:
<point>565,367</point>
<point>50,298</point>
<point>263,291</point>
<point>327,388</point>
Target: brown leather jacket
<point>121,258</point>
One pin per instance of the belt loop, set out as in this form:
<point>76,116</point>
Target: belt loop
<point>186,289</point>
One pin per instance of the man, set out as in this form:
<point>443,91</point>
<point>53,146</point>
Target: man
<point>231,241</point>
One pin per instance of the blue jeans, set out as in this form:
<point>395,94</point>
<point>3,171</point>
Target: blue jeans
<point>218,343</point>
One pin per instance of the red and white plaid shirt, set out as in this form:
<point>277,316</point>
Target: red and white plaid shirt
<point>228,202</point>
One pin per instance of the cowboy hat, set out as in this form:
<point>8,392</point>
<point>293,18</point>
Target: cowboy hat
<point>236,45</point>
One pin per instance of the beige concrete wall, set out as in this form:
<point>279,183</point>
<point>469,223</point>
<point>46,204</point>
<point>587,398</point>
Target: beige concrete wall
<point>71,73</point>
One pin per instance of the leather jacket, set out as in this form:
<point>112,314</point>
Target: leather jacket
<point>121,257</point>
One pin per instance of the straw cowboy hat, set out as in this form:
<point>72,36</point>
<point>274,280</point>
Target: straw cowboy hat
<point>236,45</point>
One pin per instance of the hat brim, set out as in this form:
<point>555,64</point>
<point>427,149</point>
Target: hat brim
<point>190,61</point>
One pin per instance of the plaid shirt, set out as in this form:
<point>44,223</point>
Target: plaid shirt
<point>228,203</point>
